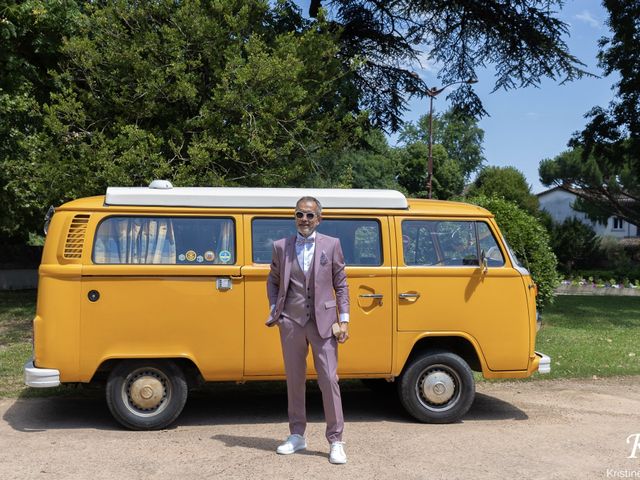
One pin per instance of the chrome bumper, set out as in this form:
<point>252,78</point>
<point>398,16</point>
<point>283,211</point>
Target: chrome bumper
<point>545,363</point>
<point>40,377</point>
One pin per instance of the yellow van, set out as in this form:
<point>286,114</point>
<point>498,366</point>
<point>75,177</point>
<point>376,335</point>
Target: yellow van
<point>157,289</point>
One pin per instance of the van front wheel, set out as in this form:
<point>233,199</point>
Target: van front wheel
<point>437,388</point>
<point>146,394</point>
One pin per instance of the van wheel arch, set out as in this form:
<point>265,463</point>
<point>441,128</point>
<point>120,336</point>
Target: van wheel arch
<point>457,345</point>
<point>189,368</point>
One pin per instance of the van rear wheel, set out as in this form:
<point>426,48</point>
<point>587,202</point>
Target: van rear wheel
<point>146,394</point>
<point>437,388</point>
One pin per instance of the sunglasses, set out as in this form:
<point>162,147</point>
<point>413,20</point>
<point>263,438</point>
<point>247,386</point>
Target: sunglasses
<point>309,215</point>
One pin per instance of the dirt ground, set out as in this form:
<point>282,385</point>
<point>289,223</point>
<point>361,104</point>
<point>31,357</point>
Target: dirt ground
<point>575,429</point>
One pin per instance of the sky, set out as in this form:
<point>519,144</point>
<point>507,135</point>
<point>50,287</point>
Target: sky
<point>525,126</point>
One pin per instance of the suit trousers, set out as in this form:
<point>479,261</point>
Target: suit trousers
<point>295,346</point>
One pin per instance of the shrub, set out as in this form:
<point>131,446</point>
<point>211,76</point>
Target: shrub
<point>529,240</point>
<point>574,243</point>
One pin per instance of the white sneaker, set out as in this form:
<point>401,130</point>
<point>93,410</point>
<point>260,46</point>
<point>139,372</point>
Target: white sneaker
<point>292,444</point>
<point>336,454</point>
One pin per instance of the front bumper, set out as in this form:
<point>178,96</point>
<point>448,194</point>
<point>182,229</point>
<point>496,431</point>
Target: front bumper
<point>40,377</point>
<point>545,363</point>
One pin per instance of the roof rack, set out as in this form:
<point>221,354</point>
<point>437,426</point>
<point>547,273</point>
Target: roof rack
<point>162,193</point>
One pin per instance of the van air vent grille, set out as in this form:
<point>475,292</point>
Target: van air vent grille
<point>75,236</point>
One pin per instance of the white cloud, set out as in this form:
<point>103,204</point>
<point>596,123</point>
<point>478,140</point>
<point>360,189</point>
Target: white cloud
<point>586,17</point>
<point>428,64</point>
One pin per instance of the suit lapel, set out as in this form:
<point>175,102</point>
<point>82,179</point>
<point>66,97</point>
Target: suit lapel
<point>317,254</point>
<point>289,256</point>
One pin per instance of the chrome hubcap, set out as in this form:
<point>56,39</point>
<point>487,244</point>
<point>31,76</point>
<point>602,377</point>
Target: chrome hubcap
<point>146,391</point>
<point>437,387</point>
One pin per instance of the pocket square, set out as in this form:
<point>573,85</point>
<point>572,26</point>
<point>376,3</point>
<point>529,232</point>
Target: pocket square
<point>323,258</point>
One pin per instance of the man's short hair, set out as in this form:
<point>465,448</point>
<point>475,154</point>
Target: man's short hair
<point>311,199</point>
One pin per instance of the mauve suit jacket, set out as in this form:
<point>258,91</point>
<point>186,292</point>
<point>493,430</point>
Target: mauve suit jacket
<point>329,277</point>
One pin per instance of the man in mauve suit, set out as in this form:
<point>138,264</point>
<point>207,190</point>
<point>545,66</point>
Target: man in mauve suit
<point>306,284</point>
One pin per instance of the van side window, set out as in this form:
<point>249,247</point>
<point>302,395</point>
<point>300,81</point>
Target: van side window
<point>489,245</point>
<point>360,239</point>
<point>446,243</point>
<point>165,241</point>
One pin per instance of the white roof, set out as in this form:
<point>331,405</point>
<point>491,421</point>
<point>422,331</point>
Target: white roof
<point>253,197</point>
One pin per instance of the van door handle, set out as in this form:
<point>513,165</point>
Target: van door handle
<point>377,296</point>
<point>409,295</point>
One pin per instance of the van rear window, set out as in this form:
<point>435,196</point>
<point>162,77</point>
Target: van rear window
<point>165,240</point>
<point>360,239</point>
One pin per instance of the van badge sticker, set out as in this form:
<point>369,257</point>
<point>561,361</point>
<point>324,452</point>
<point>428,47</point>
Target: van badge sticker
<point>200,259</point>
<point>224,256</point>
<point>181,257</point>
<point>209,256</point>
<point>191,255</point>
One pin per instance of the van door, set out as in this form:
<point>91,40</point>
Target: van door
<point>160,286</point>
<point>443,289</point>
<point>365,244</point>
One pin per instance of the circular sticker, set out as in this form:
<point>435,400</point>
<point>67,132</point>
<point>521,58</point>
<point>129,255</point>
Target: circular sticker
<point>209,256</point>
<point>191,255</point>
<point>200,259</point>
<point>181,257</point>
<point>224,256</point>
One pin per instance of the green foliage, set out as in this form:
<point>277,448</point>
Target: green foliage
<point>458,133</point>
<point>522,40</point>
<point>530,242</point>
<point>456,153</point>
<point>31,35</point>
<point>199,92</point>
<point>447,182</point>
<point>605,185</point>
<point>575,244</point>
<point>508,183</point>
<point>373,164</point>
<point>603,166</point>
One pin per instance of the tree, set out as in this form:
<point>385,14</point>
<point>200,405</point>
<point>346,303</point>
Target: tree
<point>32,34</point>
<point>508,183</point>
<point>603,165</point>
<point>199,92</point>
<point>529,241</point>
<point>447,182</point>
<point>458,133</point>
<point>522,40</point>
<point>372,164</point>
<point>574,243</point>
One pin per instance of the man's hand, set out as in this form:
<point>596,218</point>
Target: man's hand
<point>344,332</point>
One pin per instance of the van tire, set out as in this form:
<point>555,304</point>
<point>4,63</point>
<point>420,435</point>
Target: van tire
<point>448,393</point>
<point>146,394</point>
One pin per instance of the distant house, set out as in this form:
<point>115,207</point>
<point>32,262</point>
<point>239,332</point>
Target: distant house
<point>559,204</point>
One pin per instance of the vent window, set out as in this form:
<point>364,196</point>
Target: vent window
<point>75,237</point>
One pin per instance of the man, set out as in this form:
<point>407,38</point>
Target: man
<point>306,270</point>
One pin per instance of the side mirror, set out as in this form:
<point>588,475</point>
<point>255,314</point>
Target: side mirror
<point>483,261</point>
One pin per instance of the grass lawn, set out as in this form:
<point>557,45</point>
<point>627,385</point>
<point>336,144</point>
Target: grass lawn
<point>585,336</point>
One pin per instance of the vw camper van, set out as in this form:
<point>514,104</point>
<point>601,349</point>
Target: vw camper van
<point>156,289</point>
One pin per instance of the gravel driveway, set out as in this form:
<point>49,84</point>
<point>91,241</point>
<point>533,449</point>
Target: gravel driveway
<point>574,429</point>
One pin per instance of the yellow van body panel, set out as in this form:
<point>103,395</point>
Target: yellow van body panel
<point>182,311</point>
